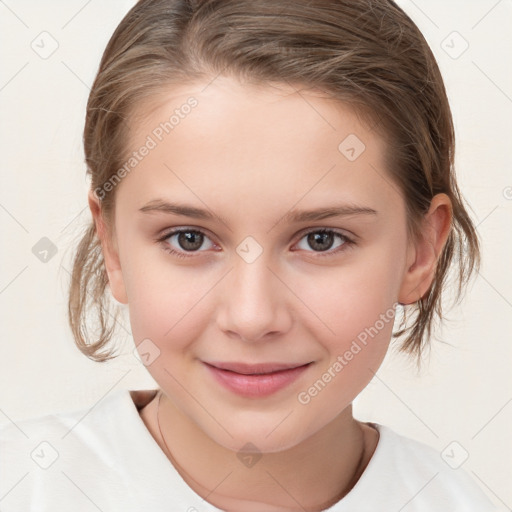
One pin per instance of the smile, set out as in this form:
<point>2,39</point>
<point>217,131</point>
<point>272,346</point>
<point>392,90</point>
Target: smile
<point>255,380</point>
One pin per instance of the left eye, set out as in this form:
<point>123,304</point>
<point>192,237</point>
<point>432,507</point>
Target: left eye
<point>322,240</point>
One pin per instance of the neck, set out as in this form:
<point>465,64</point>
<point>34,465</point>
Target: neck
<point>312,475</point>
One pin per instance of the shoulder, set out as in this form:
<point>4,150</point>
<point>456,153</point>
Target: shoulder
<point>47,458</point>
<point>64,426</point>
<point>30,451</point>
<point>408,473</point>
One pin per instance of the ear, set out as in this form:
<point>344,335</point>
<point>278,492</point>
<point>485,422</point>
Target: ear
<point>423,255</point>
<point>110,252</point>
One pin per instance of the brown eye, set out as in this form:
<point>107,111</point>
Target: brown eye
<point>190,240</point>
<point>322,240</point>
<point>182,241</point>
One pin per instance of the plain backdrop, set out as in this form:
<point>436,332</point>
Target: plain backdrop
<point>460,402</point>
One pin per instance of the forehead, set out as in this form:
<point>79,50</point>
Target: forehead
<point>227,139</point>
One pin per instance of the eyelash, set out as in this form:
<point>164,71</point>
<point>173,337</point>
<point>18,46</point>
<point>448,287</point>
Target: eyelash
<point>348,242</point>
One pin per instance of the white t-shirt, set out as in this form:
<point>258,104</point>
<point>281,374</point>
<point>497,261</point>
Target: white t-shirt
<point>105,459</point>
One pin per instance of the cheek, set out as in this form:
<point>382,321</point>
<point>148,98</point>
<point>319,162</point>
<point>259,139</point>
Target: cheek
<point>355,305</point>
<point>343,378</point>
<point>345,300</point>
<point>357,316</point>
<point>163,297</point>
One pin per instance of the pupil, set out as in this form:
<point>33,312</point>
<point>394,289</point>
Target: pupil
<point>320,241</point>
<point>190,240</point>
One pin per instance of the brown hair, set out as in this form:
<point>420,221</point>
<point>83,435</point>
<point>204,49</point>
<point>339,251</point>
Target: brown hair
<point>367,53</point>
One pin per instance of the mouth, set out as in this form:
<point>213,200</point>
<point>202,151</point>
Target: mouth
<point>255,369</point>
<point>255,380</point>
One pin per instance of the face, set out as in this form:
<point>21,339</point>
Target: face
<point>259,227</point>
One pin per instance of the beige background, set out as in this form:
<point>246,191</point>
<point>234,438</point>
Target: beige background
<point>464,394</point>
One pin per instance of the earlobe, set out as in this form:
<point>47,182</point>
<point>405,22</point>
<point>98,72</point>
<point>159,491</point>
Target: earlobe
<point>423,255</point>
<point>110,253</point>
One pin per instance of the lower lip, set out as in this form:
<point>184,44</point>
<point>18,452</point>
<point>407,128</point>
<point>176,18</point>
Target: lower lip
<point>256,386</point>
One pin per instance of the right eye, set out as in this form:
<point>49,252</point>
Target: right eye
<point>185,241</point>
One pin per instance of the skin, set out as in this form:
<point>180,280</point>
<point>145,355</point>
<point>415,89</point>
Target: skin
<point>251,155</point>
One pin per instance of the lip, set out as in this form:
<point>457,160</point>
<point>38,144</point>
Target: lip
<point>257,368</point>
<point>255,380</point>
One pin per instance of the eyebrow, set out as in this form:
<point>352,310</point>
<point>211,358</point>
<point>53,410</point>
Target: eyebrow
<point>345,210</point>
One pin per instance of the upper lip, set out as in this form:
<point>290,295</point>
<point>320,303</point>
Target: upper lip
<point>251,369</point>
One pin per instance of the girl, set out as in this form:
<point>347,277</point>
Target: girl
<point>270,182</point>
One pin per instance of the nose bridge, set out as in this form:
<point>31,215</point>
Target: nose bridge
<point>253,302</point>
<point>253,278</point>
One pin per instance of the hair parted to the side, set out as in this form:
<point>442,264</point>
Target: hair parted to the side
<point>366,53</point>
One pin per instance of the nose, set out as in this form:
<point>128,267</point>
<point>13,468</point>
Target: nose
<point>254,303</point>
